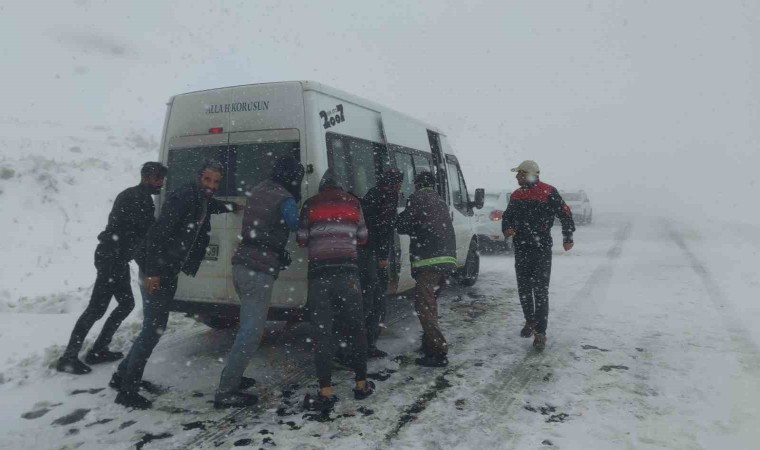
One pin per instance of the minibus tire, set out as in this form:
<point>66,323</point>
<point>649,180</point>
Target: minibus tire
<point>471,268</point>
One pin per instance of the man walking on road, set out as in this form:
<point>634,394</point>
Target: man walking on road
<point>130,218</point>
<point>175,243</point>
<point>432,250</point>
<point>271,214</point>
<point>528,219</point>
<point>331,226</point>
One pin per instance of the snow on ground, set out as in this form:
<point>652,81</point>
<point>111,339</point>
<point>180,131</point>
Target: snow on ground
<point>646,351</point>
<point>653,341</point>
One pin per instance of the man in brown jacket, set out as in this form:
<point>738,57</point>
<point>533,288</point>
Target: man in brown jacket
<point>432,251</point>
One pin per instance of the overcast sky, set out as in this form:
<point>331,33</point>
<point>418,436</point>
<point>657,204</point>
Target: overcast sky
<point>652,106</point>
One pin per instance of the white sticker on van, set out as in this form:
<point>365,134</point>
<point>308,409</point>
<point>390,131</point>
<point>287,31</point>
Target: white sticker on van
<point>332,117</point>
<point>255,105</point>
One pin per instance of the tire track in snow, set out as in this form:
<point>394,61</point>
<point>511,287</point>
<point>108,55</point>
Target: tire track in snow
<point>514,379</point>
<point>743,343</point>
<point>743,387</point>
<point>300,373</point>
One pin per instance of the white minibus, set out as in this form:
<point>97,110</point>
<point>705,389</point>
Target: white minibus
<point>247,127</point>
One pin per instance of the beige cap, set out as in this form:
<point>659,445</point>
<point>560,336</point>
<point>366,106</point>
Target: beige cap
<point>527,166</point>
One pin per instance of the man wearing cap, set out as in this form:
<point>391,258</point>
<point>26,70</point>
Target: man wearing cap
<point>528,220</point>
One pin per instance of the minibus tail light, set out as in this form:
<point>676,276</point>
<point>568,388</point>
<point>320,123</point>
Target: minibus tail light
<point>495,215</point>
<point>215,130</point>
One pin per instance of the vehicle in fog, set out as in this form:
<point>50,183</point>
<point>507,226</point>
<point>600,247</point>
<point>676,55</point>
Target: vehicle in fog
<point>247,127</point>
<point>579,204</point>
<point>488,222</point>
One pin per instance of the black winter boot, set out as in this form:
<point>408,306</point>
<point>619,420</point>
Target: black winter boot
<point>133,400</point>
<point>528,329</point>
<point>72,365</point>
<point>234,400</point>
<point>369,389</point>
<point>319,403</point>
<point>247,383</point>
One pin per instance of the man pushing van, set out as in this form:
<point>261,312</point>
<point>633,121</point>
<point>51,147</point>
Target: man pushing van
<point>432,250</point>
<point>331,226</point>
<point>175,243</point>
<point>271,213</point>
<point>130,218</point>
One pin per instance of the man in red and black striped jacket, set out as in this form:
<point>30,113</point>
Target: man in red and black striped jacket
<point>528,220</point>
<point>331,226</point>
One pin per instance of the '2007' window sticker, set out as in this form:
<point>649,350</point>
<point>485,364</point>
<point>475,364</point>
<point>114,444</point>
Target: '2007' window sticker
<point>332,117</point>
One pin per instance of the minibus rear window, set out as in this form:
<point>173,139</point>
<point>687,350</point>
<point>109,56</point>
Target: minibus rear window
<point>185,162</point>
<point>245,165</point>
<point>250,164</point>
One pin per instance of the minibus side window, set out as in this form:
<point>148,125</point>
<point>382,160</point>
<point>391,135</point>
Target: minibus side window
<point>355,162</point>
<point>363,165</point>
<point>422,163</point>
<point>459,196</point>
<point>338,160</point>
<point>406,166</point>
<point>456,189</point>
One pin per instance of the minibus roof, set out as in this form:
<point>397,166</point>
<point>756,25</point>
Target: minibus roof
<point>323,88</point>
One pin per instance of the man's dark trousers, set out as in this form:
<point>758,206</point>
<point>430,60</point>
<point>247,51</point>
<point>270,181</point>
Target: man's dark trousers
<point>374,283</point>
<point>533,266</point>
<point>156,309</point>
<point>113,280</point>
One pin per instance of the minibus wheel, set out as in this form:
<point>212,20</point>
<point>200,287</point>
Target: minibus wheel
<point>471,268</point>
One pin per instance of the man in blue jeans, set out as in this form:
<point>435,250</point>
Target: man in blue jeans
<point>175,243</point>
<point>271,214</point>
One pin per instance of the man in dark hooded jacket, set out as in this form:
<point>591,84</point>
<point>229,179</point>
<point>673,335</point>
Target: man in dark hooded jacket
<point>432,250</point>
<point>331,226</point>
<point>379,207</point>
<point>271,214</point>
<point>175,243</point>
<point>130,218</point>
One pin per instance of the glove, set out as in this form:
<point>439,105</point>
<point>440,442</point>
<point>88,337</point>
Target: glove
<point>285,260</point>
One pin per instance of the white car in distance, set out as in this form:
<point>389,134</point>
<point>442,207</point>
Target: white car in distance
<point>579,204</point>
<point>488,223</point>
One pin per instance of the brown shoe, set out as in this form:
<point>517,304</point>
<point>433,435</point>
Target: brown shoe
<point>539,341</point>
<point>528,329</point>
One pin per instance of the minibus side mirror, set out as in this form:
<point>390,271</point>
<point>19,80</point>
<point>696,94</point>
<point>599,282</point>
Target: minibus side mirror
<point>480,198</point>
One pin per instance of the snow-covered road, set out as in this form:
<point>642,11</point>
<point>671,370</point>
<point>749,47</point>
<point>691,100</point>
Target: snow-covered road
<point>652,344</point>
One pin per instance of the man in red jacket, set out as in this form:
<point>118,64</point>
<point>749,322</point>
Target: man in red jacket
<point>528,219</point>
<point>331,226</point>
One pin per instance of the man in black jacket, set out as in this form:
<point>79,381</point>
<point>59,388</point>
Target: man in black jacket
<point>175,243</point>
<point>432,250</point>
<point>130,218</point>
<point>379,207</point>
<point>528,220</point>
